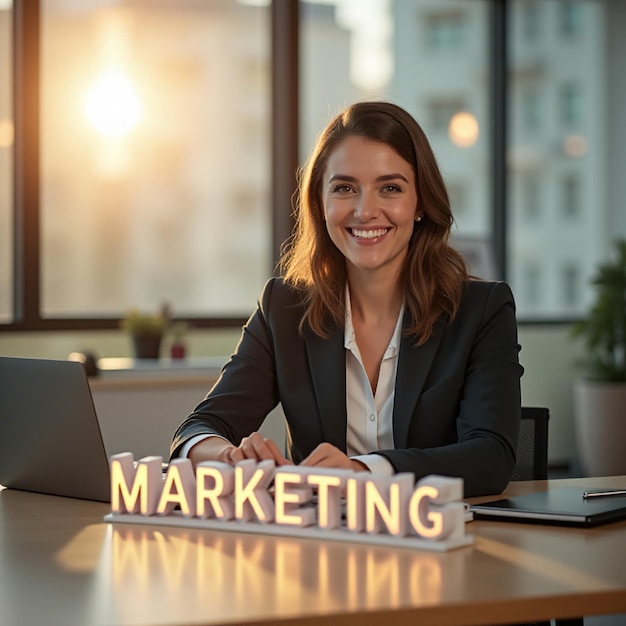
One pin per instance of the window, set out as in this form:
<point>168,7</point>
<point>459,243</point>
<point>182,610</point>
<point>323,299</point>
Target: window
<point>571,105</point>
<point>531,196</point>
<point>571,196</point>
<point>445,31</point>
<point>531,20</point>
<point>570,284</point>
<point>532,288</point>
<point>531,108</point>
<point>6,161</point>
<point>163,179</point>
<point>571,17</point>
<point>577,154</point>
<point>180,208</point>
<point>441,113</point>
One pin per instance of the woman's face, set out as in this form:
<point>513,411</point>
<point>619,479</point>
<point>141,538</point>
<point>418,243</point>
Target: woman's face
<point>370,204</point>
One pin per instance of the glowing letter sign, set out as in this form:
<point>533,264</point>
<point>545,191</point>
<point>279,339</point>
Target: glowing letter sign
<point>291,500</point>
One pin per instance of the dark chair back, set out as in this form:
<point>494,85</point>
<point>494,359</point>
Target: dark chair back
<point>532,445</point>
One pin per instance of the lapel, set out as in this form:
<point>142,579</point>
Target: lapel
<point>327,363</point>
<point>414,363</point>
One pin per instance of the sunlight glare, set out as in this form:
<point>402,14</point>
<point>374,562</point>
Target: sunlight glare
<point>112,106</point>
<point>6,133</point>
<point>463,129</point>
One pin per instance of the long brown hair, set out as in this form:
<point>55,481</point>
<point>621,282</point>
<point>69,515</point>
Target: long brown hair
<point>434,274</point>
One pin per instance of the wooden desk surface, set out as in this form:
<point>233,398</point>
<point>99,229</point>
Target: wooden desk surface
<point>60,564</point>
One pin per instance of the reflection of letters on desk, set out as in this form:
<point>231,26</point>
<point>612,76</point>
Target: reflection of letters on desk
<point>291,501</point>
<point>241,567</point>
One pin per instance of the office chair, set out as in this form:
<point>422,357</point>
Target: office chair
<point>532,445</point>
<point>532,464</point>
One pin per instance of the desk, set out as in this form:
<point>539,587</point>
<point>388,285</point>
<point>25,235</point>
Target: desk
<point>60,564</point>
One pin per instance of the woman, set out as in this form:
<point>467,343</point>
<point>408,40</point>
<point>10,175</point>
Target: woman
<point>385,355</point>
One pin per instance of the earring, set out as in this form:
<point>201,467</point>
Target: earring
<point>418,218</point>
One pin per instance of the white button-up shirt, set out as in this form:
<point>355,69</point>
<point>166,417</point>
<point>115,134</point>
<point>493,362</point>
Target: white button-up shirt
<point>370,415</point>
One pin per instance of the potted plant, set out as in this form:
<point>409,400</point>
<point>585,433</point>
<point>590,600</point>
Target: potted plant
<point>146,331</point>
<point>600,396</point>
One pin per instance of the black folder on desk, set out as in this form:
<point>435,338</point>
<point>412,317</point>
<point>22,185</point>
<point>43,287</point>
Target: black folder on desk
<point>561,505</point>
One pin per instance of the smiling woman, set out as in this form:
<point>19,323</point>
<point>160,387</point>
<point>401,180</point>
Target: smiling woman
<point>384,355</point>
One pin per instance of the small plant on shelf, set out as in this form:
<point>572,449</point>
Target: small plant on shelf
<point>139,323</point>
<point>146,331</point>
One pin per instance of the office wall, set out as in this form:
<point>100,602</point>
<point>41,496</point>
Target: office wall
<point>548,355</point>
<point>551,361</point>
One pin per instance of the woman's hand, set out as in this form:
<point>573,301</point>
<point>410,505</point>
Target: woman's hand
<point>254,447</point>
<point>327,455</point>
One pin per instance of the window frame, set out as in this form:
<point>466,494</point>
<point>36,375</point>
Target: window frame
<point>27,315</point>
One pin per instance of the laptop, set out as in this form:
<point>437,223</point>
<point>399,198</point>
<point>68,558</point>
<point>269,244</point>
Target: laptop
<point>50,439</point>
<point>561,505</point>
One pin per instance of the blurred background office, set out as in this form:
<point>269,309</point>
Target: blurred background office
<point>148,152</point>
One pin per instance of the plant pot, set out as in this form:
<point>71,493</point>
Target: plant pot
<point>147,346</point>
<point>600,422</point>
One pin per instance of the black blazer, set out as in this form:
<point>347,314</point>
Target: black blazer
<point>457,398</point>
